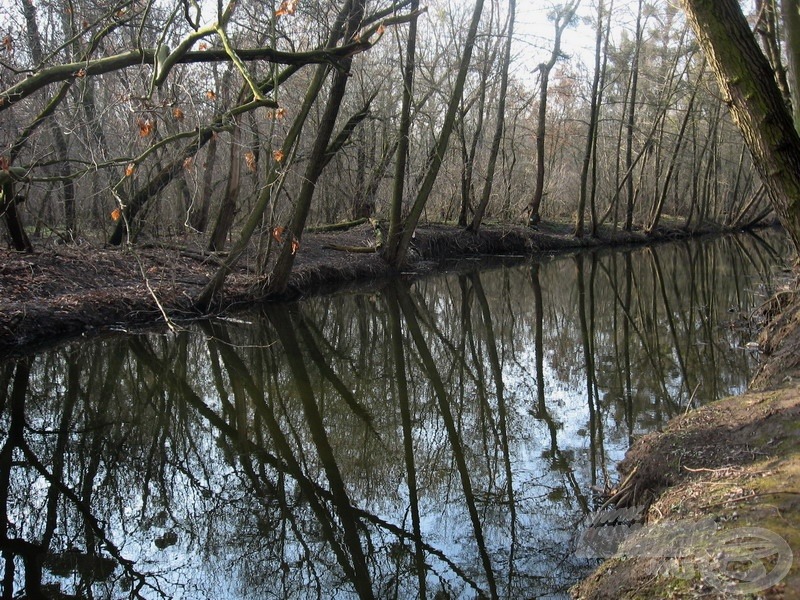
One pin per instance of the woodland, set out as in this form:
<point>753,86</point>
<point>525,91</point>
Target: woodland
<point>235,128</point>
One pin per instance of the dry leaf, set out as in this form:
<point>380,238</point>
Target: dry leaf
<point>177,114</point>
<point>203,46</point>
<point>130,169</point>
<point>188,162</point>
<point>278,156</point>
<point>277,234</point>
<point>210,95</point>
<point>116,214</point>
<point>287,7</point>
<point>81,74</point>
<point>250,161</point>
<point>8,44</point>
<point>295,245</point>
<point>280,113</point>
<point>145,127</point>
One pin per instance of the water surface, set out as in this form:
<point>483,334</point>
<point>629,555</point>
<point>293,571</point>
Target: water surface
<point>441,438</point>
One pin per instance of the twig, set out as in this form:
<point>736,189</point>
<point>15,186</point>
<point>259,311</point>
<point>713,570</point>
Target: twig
<point>691,399</point>
<point>172,327</point>
<point>743,498</point>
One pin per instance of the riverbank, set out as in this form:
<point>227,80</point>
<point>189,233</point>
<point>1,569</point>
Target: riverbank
<point>62,291</point>
<point>718,490</point>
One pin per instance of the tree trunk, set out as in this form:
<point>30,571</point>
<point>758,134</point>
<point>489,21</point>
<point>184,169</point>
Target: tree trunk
<point>480,210</point>
<point>594,117</point>
<point>8,210</point>
<point>631,125</point>
<point>59,139</point>
<point>398,245</point>
<point>398,189</point>
<point>227,210</point>
<point>562,20</point>
<point>790,10</point>
<point>756,104</point>
<point>279,278</point>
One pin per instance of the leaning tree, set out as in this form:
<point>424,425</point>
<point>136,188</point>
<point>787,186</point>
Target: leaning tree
<point>759,109</point>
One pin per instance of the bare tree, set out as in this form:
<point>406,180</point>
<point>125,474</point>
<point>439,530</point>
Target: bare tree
<point>562,18</point>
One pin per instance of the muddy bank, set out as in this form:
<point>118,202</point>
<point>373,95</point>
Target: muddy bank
<point>62,291</point>
<point>724,479</point>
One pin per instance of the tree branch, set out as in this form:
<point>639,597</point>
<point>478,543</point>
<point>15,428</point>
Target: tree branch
<point>64,72</point>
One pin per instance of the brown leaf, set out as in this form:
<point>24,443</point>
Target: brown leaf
<point>210,95</point>
<point>129,170</point>
<point>116,214</point>
<point>278,156</point>
<point>287,7</point>
<point>277,234</point>
<point>295,245</point>
<point>145,127</point>
<point>250,161</point>
<point>177,114</point>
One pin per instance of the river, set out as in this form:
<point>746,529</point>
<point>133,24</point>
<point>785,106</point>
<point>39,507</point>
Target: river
<point>443,437</point>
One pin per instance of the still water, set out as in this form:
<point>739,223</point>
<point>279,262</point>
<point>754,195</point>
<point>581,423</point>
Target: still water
<point>440,439</point>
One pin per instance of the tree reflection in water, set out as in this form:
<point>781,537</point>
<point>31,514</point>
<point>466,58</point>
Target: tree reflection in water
<point>440,439</point>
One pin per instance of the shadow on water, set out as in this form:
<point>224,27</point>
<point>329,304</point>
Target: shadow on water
<point>437,439</point>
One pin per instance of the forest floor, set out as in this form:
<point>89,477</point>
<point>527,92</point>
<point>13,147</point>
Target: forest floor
<point>734,463</point>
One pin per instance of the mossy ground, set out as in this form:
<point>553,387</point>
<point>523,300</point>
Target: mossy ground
<point>735,462</point>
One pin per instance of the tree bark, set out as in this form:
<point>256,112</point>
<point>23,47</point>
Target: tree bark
<point>756,104</point>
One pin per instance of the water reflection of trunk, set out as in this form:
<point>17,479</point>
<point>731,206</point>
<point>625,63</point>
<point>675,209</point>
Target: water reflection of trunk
<point>325,369</point>
<point>252,455</point>
<point>401,381</point>
<point>689,337</point>
<point>475,369</point>
<point>32,554</point>
<point>502,414</point>
<point>626,342</point>
<point>647,333</point>
<point>429,367</point>
<point>288,462</point>
<point>560,462</point>
<point>35,556</point>
<point>107,365</point>
<point>282,320</point>
<point>587,341</point>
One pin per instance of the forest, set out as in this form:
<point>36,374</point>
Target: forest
<point>235,127</point>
